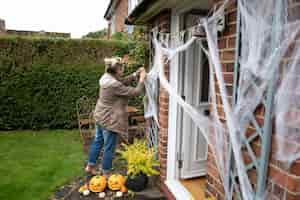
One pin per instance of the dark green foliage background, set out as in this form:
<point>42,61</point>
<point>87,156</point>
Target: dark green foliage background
<point>41,79</point>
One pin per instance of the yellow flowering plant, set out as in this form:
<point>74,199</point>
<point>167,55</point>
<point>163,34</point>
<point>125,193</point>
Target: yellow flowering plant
<point>139,158</point>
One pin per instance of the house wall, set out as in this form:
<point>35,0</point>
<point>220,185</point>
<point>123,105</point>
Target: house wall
<point>3,31</point>
<point>37,33</point>
<point>284,184</point>
<point>226,42</point>
<point>109,30</point>
<point>163,22</point>
<point>120,13</point>
<point>2,27</point>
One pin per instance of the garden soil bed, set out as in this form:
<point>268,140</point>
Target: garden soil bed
<point>70,192</point>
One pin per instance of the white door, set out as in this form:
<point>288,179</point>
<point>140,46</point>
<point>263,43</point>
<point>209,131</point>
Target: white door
<point>194,88</point>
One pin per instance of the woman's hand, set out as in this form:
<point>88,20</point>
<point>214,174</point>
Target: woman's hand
<point>142,75</point>
<point>140,70</point>
<point>137,72</point>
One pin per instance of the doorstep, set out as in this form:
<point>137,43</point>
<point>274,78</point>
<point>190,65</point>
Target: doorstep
<point>196,186</point>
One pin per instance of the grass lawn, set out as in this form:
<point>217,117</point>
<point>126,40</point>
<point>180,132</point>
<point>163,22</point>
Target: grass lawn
<point>34,163</point>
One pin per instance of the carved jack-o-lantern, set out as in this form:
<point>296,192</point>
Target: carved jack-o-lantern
<point>97,184</point>
<point>116,181</point>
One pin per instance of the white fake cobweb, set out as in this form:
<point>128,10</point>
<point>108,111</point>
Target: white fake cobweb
<point>269,63</point>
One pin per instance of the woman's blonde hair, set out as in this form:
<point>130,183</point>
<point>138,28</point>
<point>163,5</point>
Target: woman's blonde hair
<point>112,64</point>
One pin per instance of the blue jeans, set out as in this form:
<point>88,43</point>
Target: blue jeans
<point>108,139</point>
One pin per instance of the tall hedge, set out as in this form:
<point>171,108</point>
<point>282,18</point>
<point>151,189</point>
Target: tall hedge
<point>24,52</point>
<point>41,79</point>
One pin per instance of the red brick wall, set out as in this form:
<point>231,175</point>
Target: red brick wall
<point>226,42</point>
<point>121,12</point>
<point>163,22</point>
<point>285,184</point>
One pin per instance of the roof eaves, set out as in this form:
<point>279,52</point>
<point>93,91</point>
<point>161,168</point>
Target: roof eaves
<point>108,12</point>
<point>139,9</point>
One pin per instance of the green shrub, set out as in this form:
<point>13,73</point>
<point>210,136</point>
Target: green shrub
<point>97,34</point>
<point>41,79</point>
<point>45,96</point>
<point>23,52</point>
<point>139,158</point>
<point>139,53</point>
<point>120,36</point>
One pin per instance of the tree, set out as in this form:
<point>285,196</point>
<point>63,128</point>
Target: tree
<point>97,34</point>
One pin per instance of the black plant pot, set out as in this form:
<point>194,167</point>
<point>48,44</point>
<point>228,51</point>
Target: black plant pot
<point>137,183</point>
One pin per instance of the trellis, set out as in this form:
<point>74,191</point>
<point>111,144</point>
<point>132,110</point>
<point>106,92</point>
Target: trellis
<point>262,132</point>
<point>151,133</point>
<point>152,127</point>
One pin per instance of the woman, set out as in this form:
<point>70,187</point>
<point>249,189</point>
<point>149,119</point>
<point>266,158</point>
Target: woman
<point>111,112</point>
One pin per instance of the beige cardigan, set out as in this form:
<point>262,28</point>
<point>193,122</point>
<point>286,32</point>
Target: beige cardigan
<point>111,108</point>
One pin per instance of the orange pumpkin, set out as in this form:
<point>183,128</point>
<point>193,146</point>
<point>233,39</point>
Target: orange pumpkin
<point>124,189</point>
<point>97,184</point>
<point>116,181</point>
